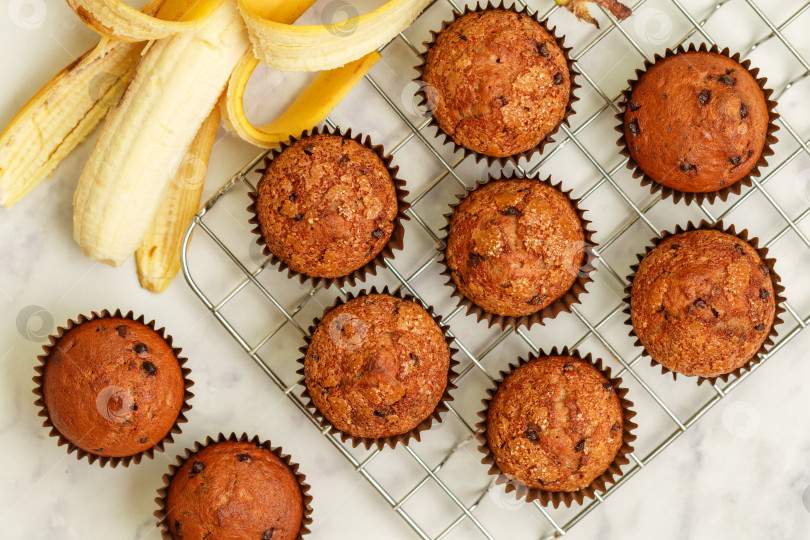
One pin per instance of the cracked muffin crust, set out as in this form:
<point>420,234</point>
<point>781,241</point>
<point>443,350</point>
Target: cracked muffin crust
<point>377,366</point>
<point>555,423</point>
<point>702,303</point>
<point>113,387</point>
<point>496,82</point>
<point>514,246</point>
<point>234,489</point>
<point>326,206</point>
<point>696,122</point>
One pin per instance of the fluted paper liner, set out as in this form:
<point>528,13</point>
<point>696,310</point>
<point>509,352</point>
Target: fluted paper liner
<point>709,196</point>
<point>62,440</point>
<point>394,243</point>
<point>561,304</point>
<point>601,482</point>
<point>527,154</point>
<point>778,289</point>
<point>393,440</point>
<point>163,493</point>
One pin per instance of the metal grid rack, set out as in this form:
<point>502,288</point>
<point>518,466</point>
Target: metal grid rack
<point>666,408</point>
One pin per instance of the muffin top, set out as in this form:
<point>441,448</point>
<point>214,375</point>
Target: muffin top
<point>702,303</point>
<point>377,366</point>
<point>497,82</point>
<point>696,122</point>
<point>555,423</point>
<point>113,387</point>
<point>234,490</point>
<point>515,246</point>
<point>326,206</point>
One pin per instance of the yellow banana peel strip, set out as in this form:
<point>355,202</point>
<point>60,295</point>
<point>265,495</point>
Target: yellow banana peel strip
<point>309,109</point>
<point>158,256</point>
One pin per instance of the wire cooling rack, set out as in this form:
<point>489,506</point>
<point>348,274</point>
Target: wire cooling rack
<point>438,485</point>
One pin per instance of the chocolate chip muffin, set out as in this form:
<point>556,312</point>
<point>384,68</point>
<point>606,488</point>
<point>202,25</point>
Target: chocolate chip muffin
<point>234,489</point>
<point>514,246</point>
<point>496,82</point>
<point>377,366</point>
<point>696,122</point>
<point>702,303</point>
<point>555,423</point>
<point>326,205</point>
<point>112,387</point>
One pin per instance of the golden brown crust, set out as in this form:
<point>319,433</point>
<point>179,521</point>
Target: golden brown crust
<point>234,490</point>
<point>326,206</point>
<point>497,82</point>
<point>555,424</point>
<point>702,303</point>
<point>377,366</point>
<point>113,387</point>
<point>515,246</point>
<point>696,122</point>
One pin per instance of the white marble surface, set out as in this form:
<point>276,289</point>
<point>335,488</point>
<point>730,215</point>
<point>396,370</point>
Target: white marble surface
<point>741,472</point>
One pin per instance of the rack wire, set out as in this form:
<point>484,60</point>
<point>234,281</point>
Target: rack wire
<point>666,408</point>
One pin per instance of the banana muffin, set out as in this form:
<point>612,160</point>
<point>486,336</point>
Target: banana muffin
<point>112,387</point>
<point>377,366</point>
<point>234,489</point>
<point>326,205</point>
<point>696,122</point>
<point>702,303</point>
<point>496,82</point>
<point>555,423</point>
<point>514,246</point>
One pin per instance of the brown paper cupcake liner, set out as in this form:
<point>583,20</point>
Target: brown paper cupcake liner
<point>527,154</point>
<point>394,243</point>
<point>393,440</point>
<point>81,453</point>
<point>711,196</point>
<point>778,289</point>
<point>163,493</point>
<point>560,305</point>
<point>601,482</point>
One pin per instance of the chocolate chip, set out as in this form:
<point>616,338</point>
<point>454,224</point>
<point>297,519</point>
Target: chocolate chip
<point>568,366</point>
<point>760,326</point>
<point>98,449</point>
<point>739,248</point>
<point>133,407</point>
<point>558,79</point>
<point>715,313</point>
<point>735,160</point>
<point>196,468</point>
<point>141,348</point>
<point>632,127</point>
<point>473,259</point>
<point>497,59</point>
<point>100,328</point>
<point>543,482</point>
<point>763,293</point>
<point>676,247</point>
<point>298,217</point>
<point>660,310</point>
<point>243,457</point>
<point>122,330</point>
<point>380,414</point>
<point>608,387</point>
<point>308,149</point>
<point>580,446</point>
<point>728,79</point>
<point>743,111</point>
<point>615,427</point>
<point>268,534</point>
<point>414,359</point>
<point>177,526</point>
<point>292,197</point>
<point>704,97</point>
<point>315,357</point>
<point>463,37</point>
<point>149,368</point>
<point>700,303</point>
<point>510,211</point>
<point>143,440</point>
<point>537,300</point>
<point>542,50</point>
<point>532,435</point>
<point>503,101</point>
<point>344,158</point>
<point>764,269</point>
<point>685,167</point>
<point>633,106</point>
<point>378,233</point>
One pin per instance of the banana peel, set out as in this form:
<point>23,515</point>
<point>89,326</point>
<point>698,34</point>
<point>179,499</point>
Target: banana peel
<point>580,9</point>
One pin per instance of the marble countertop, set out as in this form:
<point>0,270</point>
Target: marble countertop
<point>740,472</point>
